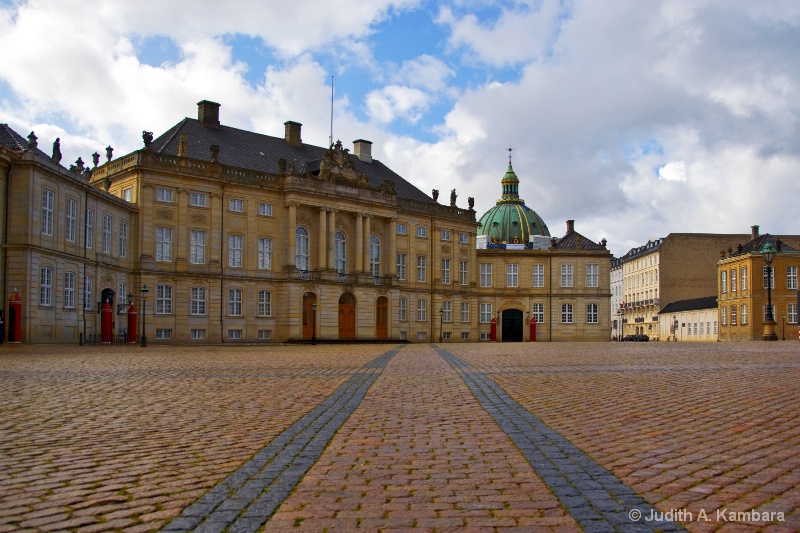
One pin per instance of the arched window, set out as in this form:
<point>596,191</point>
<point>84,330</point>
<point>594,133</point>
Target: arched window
<point>375,256</point>
<point>301,246</point>
<point>339,252</point>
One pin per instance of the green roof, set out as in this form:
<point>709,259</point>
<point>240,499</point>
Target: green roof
<point>510,220</point>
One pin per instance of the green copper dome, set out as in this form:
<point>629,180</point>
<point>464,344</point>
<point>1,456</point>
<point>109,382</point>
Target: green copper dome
<point>511,221</point>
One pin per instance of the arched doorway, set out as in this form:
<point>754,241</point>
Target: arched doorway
<point>382,318</point>
<point>512,325</point>
<point>309,314</point>
<point>347,316</point>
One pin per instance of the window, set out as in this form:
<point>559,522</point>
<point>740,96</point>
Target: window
<point>198,334</point>
<point>375,256</point>
<point>301,247</point>
<point>701,328</point>
<point>768,274</point>
<point>163,299</point>
<point>591,313</point>
<point>723,282</point>
<point>122,291</point>
<point>446,335</point>
<point>123,239</point>
<point>422,232</point>
<point>485,336</point>
<point>197,199</point>
<point>198,301</point>
<point>724,315</point>
<point>72,220</point>
<point>566,276</point>
<point>401,229</point>
<point>87,292</point>
<point>446,271</point>
<point>538,276</point>
<point>237,206</point>
<point>791,277</point>
<point>264,334</point>
<point>421,336</point>
<point>127,194</point>
<point>695,328</point>
<point>465,335</point>
<point>402,310</point>
<point>340,252</point>
<point>445,234</point>
<point>463,238</point>
<point>401,266</point>
<point>447,307</point>
<point>733,315</point>
<point>537,313</point>
<point>422,310</point>
<point>265,210</point>
<point>106,234</point>
<point>462,272</point>
<point>46,287</point>
<point>164,195</point>
<point>733,280</point>
<point>163,244</point>
<point>486,314</point>
<point>791,314</point>
<point>235,302</point>
<point>163,334</point>
<point>486,274</point>
<point>744,314</point>
<point>592,278</point>
<point>464,311</point>
<point>197,247</point>
<point>235,251</point>
<point>235,334</point>
<point>744,278</point>
<point>89,228</point>
<point>512,275</point>
<point>69,290</point>
<point>265,254</point>
<point>264,303</point>
<point>422,268</point>
<point>48,204</point>
<point>566,313</point>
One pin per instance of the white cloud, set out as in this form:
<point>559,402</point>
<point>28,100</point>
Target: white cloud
<point>393,101</point>
<point>674,171</point>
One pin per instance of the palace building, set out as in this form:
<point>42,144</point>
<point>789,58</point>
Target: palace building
<point>213,234</point>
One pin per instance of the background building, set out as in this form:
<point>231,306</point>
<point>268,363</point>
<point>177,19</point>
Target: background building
<point>692,320</point>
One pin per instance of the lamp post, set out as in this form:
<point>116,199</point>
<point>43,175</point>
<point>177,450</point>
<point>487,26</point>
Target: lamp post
<point>675,328</point>
<point>441,323</point>
<point>768,253</point>
<point>314,324</point>
<point>144,292</point>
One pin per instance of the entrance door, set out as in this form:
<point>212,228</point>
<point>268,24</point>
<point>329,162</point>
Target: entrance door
<point>382,318</point>
<point>347,316</point>
<point>309,314</point>
<point>512,325</point>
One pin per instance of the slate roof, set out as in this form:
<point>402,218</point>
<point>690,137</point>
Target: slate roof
<point>11,139</point>
<point>570,240</point>
<point>255,151</point>
<point>755,245</point>
<point>692,304</point>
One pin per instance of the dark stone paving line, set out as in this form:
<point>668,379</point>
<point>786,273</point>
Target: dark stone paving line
<point>638,370</point>
<point>246,499</point>
<point>594,496</point>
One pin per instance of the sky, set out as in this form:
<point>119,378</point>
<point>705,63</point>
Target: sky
<point>635,119</point>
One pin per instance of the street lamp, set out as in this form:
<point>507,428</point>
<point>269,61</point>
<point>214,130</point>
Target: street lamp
<point>441,323</point>
<point>130,299</point>
<point>675,328</point>
<point>768,253</point>
<point>314,324</point>
<point>144,292</point>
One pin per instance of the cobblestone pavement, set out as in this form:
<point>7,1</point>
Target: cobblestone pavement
<point>126,439</point>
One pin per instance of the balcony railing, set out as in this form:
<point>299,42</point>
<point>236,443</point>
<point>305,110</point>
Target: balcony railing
<point>347,278</point>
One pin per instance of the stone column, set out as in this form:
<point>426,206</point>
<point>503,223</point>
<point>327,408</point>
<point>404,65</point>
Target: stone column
<point>291,228</point>
<point>367,232</point>
<point>331,237</point>
<point>359,264</point>
<point>322,256</point>
<point>392,270</point>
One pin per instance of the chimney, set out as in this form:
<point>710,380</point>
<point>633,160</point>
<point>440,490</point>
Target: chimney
<point>208,113</point>
<point>363,150</point>
<point>753,232</point>
<point>570,226</point>
<point>292,133</point>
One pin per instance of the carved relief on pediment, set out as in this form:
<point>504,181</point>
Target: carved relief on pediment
<point>164,213</point>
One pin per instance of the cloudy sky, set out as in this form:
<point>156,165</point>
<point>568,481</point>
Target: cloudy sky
<point>634,118</point>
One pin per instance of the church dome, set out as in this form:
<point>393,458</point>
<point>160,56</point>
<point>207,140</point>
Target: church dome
<point>510,220</point>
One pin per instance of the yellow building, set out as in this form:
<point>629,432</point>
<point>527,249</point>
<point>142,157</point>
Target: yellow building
<point>743,279</point>
<point>243,237</point>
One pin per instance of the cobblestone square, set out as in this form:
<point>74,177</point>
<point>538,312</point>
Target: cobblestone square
<point>451,437</point>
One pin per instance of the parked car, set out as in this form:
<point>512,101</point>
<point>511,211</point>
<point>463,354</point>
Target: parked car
<point>635,338</point>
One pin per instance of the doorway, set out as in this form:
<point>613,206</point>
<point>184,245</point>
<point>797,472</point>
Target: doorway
<point>347,316</point>
<point>382,318</point>
<point>309,314</point>
<point>512,325</point>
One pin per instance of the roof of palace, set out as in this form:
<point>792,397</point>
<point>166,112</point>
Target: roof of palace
<point>510,220</point>
<point>692,304</point>
<point>256,151</point>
